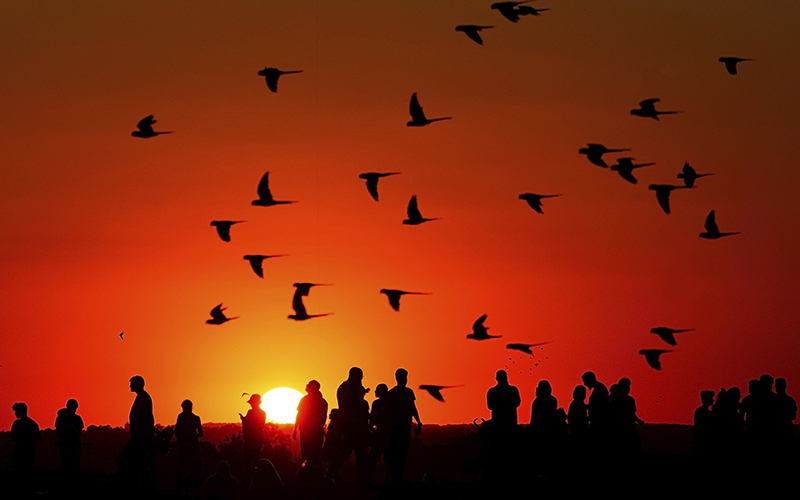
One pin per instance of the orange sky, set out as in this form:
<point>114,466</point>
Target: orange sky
<point>104,232</point>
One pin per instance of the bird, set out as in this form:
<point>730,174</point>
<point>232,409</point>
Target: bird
<point>436,390</point>
<point>218,317</point>
<point>394,296</point>
<point>625,166</point>
<point>652,355</point>
<point>512,10</point>
<point>524,10</point>
<point>535,200</point>
<point>647,109</point>
<point>526,348</point>
<point>689,175</point>
<point>414,217</point>
<point>595,152</point>
<point>272,75</point>
<point>372,181</point>
<point>712,230</point>
<point>224,228</point>
<point>479,331</point>
<point>145,127</point>
<point>471,30</point>
<point>265,196</point>
<point>662,194</point>
<point>257,262</point>
<point>245,394</point>
<point>731,62</point>
<point>668,334</point>
<point>417,116</point>
<point>301,291</point>
<point>120,335</point>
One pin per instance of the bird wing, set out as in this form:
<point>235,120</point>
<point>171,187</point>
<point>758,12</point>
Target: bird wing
<point>372,186</point>
<point>662,195</point>
<point>711,223</point>
<point>474,35</point>
<point>413,209</point>
<point>394,299</point>
<point>217,314</point>
<point>224,231</point>
<point>257,263</point>
<point>478,325</point>
<point>415,109</point>
<point>628,176</point>
<point>263,188</point>
<point>688,170</point>
<point>297,302</point>
<point>649,104</point>
<point>730,65</point>
<point>146,124</point>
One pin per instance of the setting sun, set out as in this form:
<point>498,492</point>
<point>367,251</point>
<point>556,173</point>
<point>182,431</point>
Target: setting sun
<point>281,405</point>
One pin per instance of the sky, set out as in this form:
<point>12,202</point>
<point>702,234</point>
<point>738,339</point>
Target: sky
<point>104,232</point>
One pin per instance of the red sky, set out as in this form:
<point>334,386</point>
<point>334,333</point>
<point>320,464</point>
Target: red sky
<point>104,232</point>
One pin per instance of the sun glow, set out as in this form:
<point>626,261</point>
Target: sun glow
<point>281,405</point>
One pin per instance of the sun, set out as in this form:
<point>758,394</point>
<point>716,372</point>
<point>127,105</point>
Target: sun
<point>281,405</point>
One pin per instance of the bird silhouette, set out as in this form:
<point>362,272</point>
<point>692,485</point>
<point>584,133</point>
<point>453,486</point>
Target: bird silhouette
<point>652,356</point>
<point>480,332</point>
<point>662,194</point>
<point>372,181</point>
<point>512,10</point>
<point>689,175</point>
<point>526,348</point>
<point>145,127</point>
<point>471,30</point>
<point>218,317</point>
<point>301,291</point>
<point>414,217</point>
<point>595,152</point>
<point>394,296</point>
<point>535,200</point>
<point>121,334</point>
<point>245,394</point>
<point>647,109</point>
<point>417,116</point>
<point>625,166</point>
<point>712,230</point>
<point>265,196</point>
<point>731,62</point>
<point>524,10</point>
<point>257,262</point>
<point>436,390</point>
<point>224,228</point>
<point>668,334</point>
<point>272,75</point>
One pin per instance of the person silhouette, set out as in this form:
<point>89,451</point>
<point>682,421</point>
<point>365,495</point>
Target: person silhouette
<point>544,427</point>
<point>578,416</point>
<point>703,428</point>
<point>266,483</point>
<point>24,434</point>
<point>221,485</point>
<point>353,422</point>
<point>136,462</point>
<point>380,426</point>
<point>188,431</point>
<point>503,400</point>
<point>402,408</point>
<point>312,412</point>
<point>253,429</point>
<point>623,419</point>
<point>598,402</point>
<point>69,427</point>
<point>787,413</point>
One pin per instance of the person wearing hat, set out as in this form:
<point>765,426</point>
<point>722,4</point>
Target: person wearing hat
<point>253,426</point>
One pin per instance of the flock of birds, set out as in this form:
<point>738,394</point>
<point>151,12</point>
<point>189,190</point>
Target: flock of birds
<point>624,166</point>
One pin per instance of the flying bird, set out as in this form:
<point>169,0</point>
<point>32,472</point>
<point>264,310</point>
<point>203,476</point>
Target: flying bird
<point>712,230</point>
<point>526,348</point>
<point>301,291</point>
<point>512,10</point>
<point>652,355</point>
<point>265,196</point>
<point>662,194</point>
<point>524,10</point>
<point>535,200</point>
<point>372,181</point>
<point>595,152</point>
<point>625,166</point>
<point>272,75</point>
<point>418,117</point>
<point>647,109</point>
<point>257,262</point>
<point>394,296</point>
<point>479,331</point>
<point>436,390</point>
<point>668,334</point>
<point>145,127</point>
<point>245,394</point>
<point>414,216</point>
<point>731,62</point>
<point>121,334</point>
<point>471,30</point>
<point>224,228</point>
<point>689,175</point>
<point>218,317</point>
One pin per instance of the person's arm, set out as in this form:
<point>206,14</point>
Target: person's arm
<point>199,428</point>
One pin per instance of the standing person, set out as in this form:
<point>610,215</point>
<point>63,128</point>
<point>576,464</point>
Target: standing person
<point>253,427</point>
<point>380,426</point>
<point>137,457</point>
<point>598,402</point>
<point>403,407</point>
<point>69,427</point>
<point>188,431</point>
<point>787,414</point>
<point>312,411</point>
<point>503,400</point>
<point>578,416</point>
<point>353,422</point>
<point>704,423</point>
<point>24,434</point>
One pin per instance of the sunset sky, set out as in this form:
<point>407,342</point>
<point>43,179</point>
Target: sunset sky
<point>103,232</point>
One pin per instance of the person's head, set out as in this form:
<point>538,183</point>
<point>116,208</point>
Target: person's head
<point>579,393</point>
<point>20,410</point>
<point>543,389</point>
<point>255,400</point>
<point>780,385</point>
<point>72,405</point>
<point>589,379</point>
<point>334,414</point>
<point>707,398</point>
<point>312,386</point>
<point>501,376</point>
<point>187,406</point>
<point>766,382</point>
<point>401,376</point>
<point>381,390</point>
<point>753,387</point>
<point>734,394</point>
<point>223,468</point>
<point>137,383</point>
<point>356,374</point>
<point>625,382</point>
